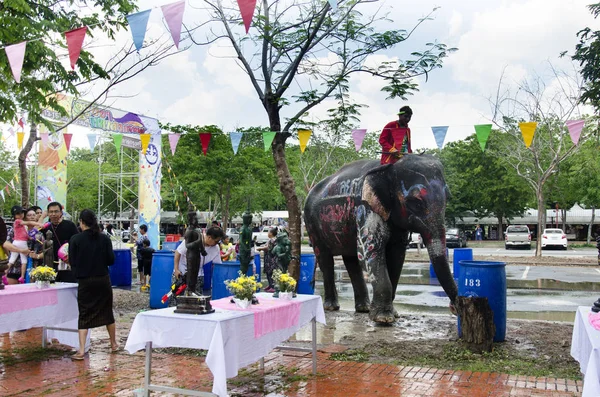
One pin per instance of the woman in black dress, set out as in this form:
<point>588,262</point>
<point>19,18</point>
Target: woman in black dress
<point>90,254</point>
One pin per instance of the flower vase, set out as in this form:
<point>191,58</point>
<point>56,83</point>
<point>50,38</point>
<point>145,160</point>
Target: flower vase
<point>242,303</point>
<point>286,295</point>
<point>42,284</point>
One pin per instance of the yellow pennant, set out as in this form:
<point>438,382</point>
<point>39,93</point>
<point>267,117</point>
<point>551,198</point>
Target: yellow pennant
<point>304,136</point>
<point>145,141</point>
<point>20,136</point>
<point>17,178</point>
<point>527,130</point>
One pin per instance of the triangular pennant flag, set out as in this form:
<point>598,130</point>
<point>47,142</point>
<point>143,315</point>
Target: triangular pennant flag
<point>67,138</point>
<point>303,137</point>
<point>44,139</point>
<point>173,139</point>
<point>358,136</point>
<point>20,136</point>
<point>333,4</point>
<point>11,131</point>
<point>17,178</point>
<point>74,43</point>
<point>173,14</point>
<point>268,139</point>
<point>439,133</point>
<point>145,138</point>
<point>92,141</point>
<point>118,139</point>
<point>247,10</point>
<point>12,184</point>
<point>482,131</point>
<point>235,137</point>
<point>575,127</point>
<point>138,23</point>
<point>2,194</point>
<point>21,123</point>
<point>204,141</point>
<point>15,54</point>
<point>527,130</point>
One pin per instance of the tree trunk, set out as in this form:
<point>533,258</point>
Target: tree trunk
<point>500,228</point>
<point>589,233</point>
<point>477,323</point>
<point>563,214</point>
<point>226,206</point>
<point>23,165</point>
<point>541,220</point>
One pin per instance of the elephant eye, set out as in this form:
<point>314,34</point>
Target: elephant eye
<point>414,204</point>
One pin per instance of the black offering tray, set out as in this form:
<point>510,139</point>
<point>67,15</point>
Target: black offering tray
<point>194,305</point>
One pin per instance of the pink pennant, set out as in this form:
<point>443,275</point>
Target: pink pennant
<point>21,123</point>
<point>247,10</point>
<point>74,43</point>
<point>204,140</point>
<point>173,14</point>
<point>16,54</point>
<point>173,139</point>
<point>575,127</point>
<point>358,136</point>
<point>44,138</point>
<point>67,138</point>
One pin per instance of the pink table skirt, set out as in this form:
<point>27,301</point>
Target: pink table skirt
<point>13,299</point>
<point>271,314</point>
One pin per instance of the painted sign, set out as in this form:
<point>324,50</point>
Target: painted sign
<point>52,170</point>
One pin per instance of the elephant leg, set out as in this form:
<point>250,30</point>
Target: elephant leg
<point>359,285</point>
<point>326,265</point>
<point>395,253</point>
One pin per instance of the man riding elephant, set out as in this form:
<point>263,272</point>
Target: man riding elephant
<point>365,212</point>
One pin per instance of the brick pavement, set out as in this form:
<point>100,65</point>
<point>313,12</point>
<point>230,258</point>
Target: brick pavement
<point>286,374</point>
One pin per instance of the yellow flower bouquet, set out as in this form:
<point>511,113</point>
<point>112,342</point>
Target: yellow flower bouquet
<point>42,276</point>
<point>243,287</point>
<point>284,281</point>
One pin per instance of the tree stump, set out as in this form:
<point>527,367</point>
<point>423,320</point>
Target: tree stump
<point>477,322</point>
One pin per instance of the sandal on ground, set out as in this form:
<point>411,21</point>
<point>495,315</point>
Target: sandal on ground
<point>77,357</point>
<point>115,349</point>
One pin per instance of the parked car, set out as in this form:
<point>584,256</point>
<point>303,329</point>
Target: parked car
<point>554,238</point>
<point>234,235</point>
<point>456,238</point>
<point>125,236</point>
<point>517,236</point>
<point>416,241</point>
<point>262,237</point>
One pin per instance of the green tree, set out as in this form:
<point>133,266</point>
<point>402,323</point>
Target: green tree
<point>587,54</point>
<point>284,51</point>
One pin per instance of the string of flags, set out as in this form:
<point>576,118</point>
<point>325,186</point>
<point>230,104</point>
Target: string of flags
<point>8,185</point>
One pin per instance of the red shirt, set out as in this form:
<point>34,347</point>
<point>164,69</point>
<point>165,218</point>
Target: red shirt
<point>394,136</point>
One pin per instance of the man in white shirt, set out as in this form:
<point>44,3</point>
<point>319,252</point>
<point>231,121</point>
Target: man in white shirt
<point>213,255</point>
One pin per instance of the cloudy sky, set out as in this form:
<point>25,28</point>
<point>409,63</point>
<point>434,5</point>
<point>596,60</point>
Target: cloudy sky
<point>203,85</point>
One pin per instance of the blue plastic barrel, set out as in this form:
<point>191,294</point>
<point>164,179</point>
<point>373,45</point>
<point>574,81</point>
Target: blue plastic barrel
<point>120,271</point>
<point>461,254</point>
<point>160,280</point>
<point>485,279</point>
<point>221,272</point>
<point>258,268</point>
<point>29,269</point>
<point>306,284</point>
<point>170,245</point>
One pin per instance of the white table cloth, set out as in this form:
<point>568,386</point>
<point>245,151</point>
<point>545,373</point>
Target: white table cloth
<point>228,335</point>
<point>58,309</point>
<point>585,348</point>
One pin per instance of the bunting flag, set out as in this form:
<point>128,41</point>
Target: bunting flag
<point>17,177</point>
<point>145,138</point>
<point>333,4</point>
<point>303,137</point>
<point>11,132</point>
<point>2,194</point>
<point>12,184</point>
<point>118,139</point>
<point>575,127</point>
<point>482,131</point>
<point>92,141</point>
<point>527,130</point>
<point>21,123</point>
<point>67,138</point>
<point>204,141</point>
<point>439,133</point>
<point>358,136</point>
<point>173,139</point>
<point>16,54</point>
<point>138,23</point>
<point>268,139</point>
<point>173,14</point>
<point>247,10</point>
<point>20,136</point>
<point>44,139</point>
<point>74,43</point>
<point>236,138</point>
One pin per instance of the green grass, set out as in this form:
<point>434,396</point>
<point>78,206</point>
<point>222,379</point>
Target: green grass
<point>18,355</point>
<point>183,351</point>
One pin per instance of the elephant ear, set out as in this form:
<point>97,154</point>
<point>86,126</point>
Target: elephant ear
<point>377,191</point>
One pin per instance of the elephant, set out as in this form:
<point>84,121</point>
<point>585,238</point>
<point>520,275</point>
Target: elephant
<point>365,212</point>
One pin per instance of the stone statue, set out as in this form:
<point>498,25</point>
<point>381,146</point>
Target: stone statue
<point>244,256</point>
<point>49,250</point>
<point>194,242</point>
<point>283,251</point>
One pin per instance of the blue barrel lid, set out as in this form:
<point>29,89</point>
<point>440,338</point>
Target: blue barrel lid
<point>122,249</point>
<point>163,252</point>
<point>229,263</point>
<point>481,264</point>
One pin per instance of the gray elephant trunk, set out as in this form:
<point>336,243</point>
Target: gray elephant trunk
<point>436,248</point>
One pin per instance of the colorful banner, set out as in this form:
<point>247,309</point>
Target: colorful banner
<point>150,181</point>
<point>575,127</point>
<point>204,141</point>
<point>439,133</point>
<point>138,23</point>
<point>358,136</point>
<point>52,170</point>
<point>236,138</point>
<point>268,139</point>
<point>303,137</point>
<point>527,130</point>
<point>482,132</point>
